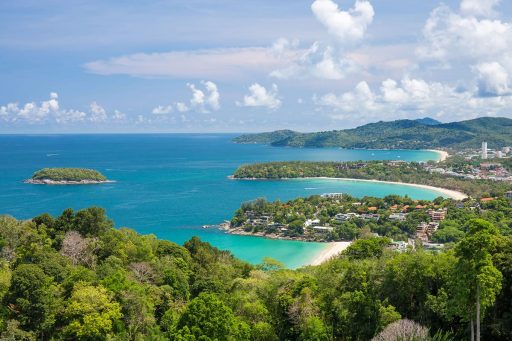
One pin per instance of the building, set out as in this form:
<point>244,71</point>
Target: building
<point>322,229</point>
<point>332,195</point>
<point>312,222</point>
<point>499,154</point>
<point>398,216</point>
<point>505,150</point>
<point>484,150</point>
<point>437,215</point>
<point>424,231</point>
<point>370,216</point>
<point>346,216</point>
<point>508,195</point>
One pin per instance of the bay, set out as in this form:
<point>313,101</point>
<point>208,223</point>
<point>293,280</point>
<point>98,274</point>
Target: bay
<point>172,184</point>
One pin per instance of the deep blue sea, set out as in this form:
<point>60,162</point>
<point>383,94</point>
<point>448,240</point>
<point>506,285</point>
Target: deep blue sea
<point>172,184</point>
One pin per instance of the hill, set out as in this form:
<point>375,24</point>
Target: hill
<point>400,134</point>
<point>67,176</point>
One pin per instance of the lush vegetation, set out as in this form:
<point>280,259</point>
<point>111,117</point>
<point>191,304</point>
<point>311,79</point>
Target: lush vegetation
<point>372,170</point>
<point>288,219</point>
<point>75,277</point>
<point>401,134</point>
<point>68,174</point>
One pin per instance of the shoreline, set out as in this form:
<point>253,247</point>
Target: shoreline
<point>65,182</point>
<point>453,194</point>
<point>332,250</point>
<point>443,155</point>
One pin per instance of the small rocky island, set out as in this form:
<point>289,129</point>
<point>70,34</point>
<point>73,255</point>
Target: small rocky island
<point>67,176</point>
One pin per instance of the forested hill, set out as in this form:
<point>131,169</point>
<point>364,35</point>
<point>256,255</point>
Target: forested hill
<point>400,134</point>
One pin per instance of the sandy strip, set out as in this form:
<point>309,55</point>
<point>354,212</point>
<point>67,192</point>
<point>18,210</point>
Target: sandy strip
<point>442,154</point>
<point>332,250</point>
<point>445,192</point>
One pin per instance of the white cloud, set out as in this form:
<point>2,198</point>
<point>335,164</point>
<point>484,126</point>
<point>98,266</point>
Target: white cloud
<point>162,110</point>
<point>259,96</point>
<point>118,115</point>
<point>493,79</point>
<point>479,7</point>
<point>205,102</point>
<point>182,107</point>
<point>347,26</point>
<point>98,113</point>
<point>50,111</point>
<point>233,63</point>
<point>318,61</point>
<point>411,97</point>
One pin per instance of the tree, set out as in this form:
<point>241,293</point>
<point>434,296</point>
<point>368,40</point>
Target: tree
<point>32,298</point>
<point>476,281</point>
<point>90,313</point>
<point>207,318</point>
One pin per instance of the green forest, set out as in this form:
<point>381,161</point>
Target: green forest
<point>76,277</point>
<point>400,134</point>
<point>372,170</point>
<point>68,174</point>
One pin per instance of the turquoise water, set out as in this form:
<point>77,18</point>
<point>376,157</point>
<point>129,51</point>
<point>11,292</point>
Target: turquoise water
<point>171,184</point>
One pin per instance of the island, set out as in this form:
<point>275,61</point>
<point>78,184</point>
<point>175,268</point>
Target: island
<point>67,176</point>
<point>400,134</point>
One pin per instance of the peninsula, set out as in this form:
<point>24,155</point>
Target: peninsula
<point>413,173</point>
<point>67,176</point>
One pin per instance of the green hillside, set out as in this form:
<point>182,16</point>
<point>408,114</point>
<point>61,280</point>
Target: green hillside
<point>401,134</point>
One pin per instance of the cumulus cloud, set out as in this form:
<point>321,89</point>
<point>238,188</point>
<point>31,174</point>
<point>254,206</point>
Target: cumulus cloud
<point>347,26</point>
<point>259,96</point>
<point>118,115</point>
<point>479,7</point>
<point>98,113</point>
<point>162,109</point>
<point>203,100</point>
<point>50,111</point>
<point>319,61</point>
<point>410,97</point>
<point>493,79</point>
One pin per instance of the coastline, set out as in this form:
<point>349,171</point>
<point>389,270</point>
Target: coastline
<point>65,182</point>
<point>443,155</point>
<point>331,250</point>
<point>456,195</point>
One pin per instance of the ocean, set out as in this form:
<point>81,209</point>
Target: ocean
<point>172,184</point>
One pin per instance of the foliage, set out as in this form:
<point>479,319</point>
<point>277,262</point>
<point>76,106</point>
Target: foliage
<point>412,172</point>
<point>400,134</point>
<point>76,277</point>
<point>68,174</point>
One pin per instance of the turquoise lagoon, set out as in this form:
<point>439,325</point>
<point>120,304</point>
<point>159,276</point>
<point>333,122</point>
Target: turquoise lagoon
<point>172,184</point>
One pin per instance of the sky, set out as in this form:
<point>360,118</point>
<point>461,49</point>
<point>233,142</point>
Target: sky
<point>81,66</point>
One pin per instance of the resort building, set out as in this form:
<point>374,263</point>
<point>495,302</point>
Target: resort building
<point>398,216</point>
<point>346,216</point>
<point>332,195</point>
<point>437,215</point>
<point>424,231</point>
<point>322,229</point>
<point>508,195</point>
<point>484,150</point>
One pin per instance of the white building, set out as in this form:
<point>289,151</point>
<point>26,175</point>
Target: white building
<point>484,150</point>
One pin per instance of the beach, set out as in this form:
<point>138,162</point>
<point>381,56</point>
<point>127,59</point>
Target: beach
<point>442,154</point>
<point>444,191</point>
<point>332,249</point>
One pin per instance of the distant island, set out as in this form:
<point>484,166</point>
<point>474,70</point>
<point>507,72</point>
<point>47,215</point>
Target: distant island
<point>424,133</point>
<point>67,176</point>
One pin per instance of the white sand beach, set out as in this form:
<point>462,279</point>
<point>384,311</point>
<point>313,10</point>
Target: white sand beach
<point>331,250</point>
<point>445,192</point>
<point>442,154</point>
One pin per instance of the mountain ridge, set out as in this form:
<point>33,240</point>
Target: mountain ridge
<point>399,134</point>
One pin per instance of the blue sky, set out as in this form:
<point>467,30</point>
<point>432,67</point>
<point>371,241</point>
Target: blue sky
<point>238,66</point>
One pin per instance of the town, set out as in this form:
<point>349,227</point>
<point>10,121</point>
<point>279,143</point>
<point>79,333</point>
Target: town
<point>336,217</point>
